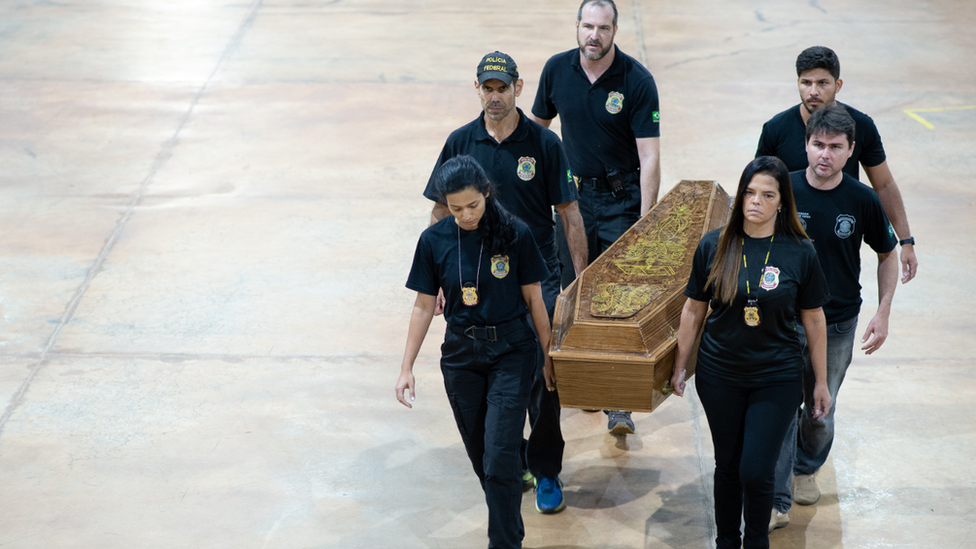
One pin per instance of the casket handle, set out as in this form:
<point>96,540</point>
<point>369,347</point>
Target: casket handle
<point>667,388</point>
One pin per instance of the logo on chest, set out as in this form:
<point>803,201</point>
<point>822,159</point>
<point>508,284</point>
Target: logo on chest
<point>844,227</point>
<point>770,279</point>
<point>499,266</point>
<point>526,168</point>
<point>615,102</point>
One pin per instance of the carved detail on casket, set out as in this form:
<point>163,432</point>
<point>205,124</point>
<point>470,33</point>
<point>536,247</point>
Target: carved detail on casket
<point>614,329</point>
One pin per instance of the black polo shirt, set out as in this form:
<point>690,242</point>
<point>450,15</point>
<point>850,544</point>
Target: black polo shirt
<point>785,137</point>
<point>436,265</point>
<point>837,220</point>
<point>600,121</point>
<point>789,280</point>
<point>529,170</point>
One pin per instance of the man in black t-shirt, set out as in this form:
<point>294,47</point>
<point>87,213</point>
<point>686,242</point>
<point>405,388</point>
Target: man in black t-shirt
<point>529,173</point>
<point>607,105</point>
<point>837,212</point>
<point>784,136</point>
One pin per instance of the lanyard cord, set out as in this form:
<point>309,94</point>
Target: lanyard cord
<point>746,266</point>
<point>477,279</point>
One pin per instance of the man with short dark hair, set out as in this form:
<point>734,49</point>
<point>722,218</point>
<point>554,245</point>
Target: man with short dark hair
<point>529,173</point>
<point>838,212</point>
<point>607,104</point>
<point>818,80</point>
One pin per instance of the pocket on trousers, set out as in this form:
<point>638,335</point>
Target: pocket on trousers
<point>846,326</point>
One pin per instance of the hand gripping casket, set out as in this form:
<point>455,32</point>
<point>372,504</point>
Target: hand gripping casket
<point>614,333</point>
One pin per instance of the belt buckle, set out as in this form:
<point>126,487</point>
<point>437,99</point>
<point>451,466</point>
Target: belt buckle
<point>487,333</point>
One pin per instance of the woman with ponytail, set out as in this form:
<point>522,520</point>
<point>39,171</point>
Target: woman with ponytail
<point>760,273</point>
<point>489,268</point>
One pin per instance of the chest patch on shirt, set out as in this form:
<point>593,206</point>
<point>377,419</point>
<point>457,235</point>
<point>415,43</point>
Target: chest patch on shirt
<point>770,279</point>
<point>526,168</point>
<point>499,266</point>
<point>615,102</point>
<point>844,227</point>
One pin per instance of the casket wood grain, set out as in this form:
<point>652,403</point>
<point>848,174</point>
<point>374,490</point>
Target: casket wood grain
<point>615,327</point>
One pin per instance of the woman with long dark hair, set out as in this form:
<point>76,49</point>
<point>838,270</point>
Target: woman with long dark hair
<point>760,273</point>
<point>489,268</point>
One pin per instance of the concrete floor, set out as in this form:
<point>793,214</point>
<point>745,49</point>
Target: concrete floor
<point>207,214</point>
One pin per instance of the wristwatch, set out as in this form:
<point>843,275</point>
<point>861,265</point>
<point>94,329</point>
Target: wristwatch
<point>909,240</point>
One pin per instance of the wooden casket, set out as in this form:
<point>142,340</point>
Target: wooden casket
<point>614,333</point>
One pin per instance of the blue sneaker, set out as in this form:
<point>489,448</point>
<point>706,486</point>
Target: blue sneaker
<point>549,495</point>
<point>528,481</point>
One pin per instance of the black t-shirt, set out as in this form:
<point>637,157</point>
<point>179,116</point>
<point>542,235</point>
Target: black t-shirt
<point>529,170</point>
<point>837,220</point>
<point>784,136</point>
<point>435,266</point>
<point>791,280</point>
<point>600,121</point>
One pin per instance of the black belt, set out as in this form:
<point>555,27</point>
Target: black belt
<point>603,184</point>
<point>488,333</point>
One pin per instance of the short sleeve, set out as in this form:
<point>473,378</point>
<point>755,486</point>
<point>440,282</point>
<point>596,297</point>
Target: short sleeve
<point>766,143</point>
<point>531,267</point>
<point>560,184</point>
<point>814,292</point>
<point>699,273</point>
<point>872,150</point>
<point>423,276</point>
<point>879,234</point>
<point>543,106</point>
<point>645,119</point>
<point>447,153</point>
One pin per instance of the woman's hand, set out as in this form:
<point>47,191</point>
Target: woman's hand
<point>678,381</point>
<point>821,400</point>
<point>404,384</point>
<point>549,373</point>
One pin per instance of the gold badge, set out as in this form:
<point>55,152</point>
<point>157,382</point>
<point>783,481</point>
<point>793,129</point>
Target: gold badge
<point>526,168</point>
<point>615,102</point>
<point>499,266</point>
<point>751,313</point>
<point>469,295</point>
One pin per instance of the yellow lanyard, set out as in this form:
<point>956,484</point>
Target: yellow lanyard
<point>746,265</point>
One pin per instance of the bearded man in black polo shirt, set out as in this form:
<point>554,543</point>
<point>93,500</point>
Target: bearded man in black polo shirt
<point>607,105</point>
<point>529,173</point>
<point>838,212</point>
<point>784,136</point>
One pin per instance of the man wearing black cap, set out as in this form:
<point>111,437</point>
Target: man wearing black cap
<point>607,103</point>
<point>529,173</point>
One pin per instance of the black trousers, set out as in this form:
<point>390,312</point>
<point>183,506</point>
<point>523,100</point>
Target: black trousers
<point>542,453</point>
<point>488,386</point>
<point>748,422</point>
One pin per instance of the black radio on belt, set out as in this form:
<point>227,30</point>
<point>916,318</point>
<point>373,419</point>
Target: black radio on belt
<point>614,181</point>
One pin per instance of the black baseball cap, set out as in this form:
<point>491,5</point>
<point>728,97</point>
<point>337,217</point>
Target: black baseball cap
<point>497,65</point>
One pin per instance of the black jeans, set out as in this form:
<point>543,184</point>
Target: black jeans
<point>542,453</point>
<point>748,422</point>
<point>488,385</point>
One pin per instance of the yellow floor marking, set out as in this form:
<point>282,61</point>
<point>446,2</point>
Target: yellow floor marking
<point>924,122</point>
